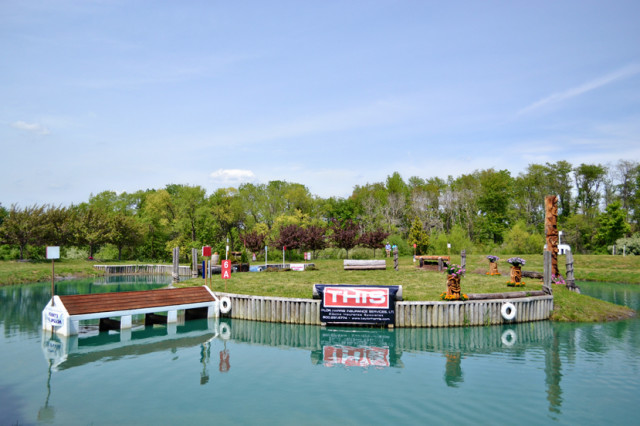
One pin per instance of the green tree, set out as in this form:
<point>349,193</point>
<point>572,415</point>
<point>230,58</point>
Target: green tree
<point>124,231</point>
<point>23,227</point>
<point>530,189</point>
<point>494,201</point>
<point>519,240</point>
<point>3,214</point>
<point>612,224</point>
<point>58,222</point>
<point>91,227</point>
<point>419,237</point>
<point>579,232</point>
<point>190,207</point>
<point>227,215</point>
<point>560,184</point>
<point>157,214</point>
<point>589,178</point>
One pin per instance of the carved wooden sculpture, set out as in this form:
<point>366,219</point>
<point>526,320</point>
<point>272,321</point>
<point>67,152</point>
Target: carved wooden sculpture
<point>453,286</point>
<point>551,230</point>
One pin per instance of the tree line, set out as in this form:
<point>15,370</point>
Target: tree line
<point>487,210</point>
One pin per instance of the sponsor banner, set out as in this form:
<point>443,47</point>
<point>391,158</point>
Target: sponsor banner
<point>357,304</point>
<point>297,266</point>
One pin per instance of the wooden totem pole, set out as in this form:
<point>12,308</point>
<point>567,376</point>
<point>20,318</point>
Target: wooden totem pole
<point>551,230</point>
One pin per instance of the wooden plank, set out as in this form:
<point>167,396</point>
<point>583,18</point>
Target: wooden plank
<point>106,302</point>
<point>506,295</point>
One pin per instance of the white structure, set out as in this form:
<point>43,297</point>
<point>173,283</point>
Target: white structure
<point>59,319</point>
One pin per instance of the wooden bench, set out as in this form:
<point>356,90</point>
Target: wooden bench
<point>433,262</point>
<point>364,265</point>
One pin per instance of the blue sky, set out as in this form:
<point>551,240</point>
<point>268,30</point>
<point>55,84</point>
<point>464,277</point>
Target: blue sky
<point>130,95</point>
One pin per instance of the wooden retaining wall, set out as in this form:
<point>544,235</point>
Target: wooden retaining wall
<point>472,312</point>
<point>142,269</point>
<point>408,314</point>
<point>274,309</point>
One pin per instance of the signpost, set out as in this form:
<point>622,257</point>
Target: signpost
<point>206,252</point>
<point>53,253</point>
<point>226,271</point>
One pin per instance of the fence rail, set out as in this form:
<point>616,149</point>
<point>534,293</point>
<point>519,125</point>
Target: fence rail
<point>142,269</point>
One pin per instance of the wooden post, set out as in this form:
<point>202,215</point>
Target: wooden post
<point>551,230</point>
<point>194,263</point>
<point>53,285</point>
<point>395,259</point>
<point>546,285</point>
<point>570,279</point>
<point>175,275</point>
<point>463,259</point>
<point>440,264</point>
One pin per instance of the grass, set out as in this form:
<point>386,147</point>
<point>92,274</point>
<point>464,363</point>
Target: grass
<point>417,284</point>
<point>14,272</point>
<point>573,307</point>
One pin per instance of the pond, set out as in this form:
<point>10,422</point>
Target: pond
<point>230,372</point>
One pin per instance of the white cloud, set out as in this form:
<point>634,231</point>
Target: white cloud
<point>232,176</point>
<point>558,97</point>
<point>31,127</point>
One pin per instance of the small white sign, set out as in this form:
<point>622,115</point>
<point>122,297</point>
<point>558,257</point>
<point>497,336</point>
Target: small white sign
<point>448,245</point>
<point>54,318</point>
<point>297,266</point>
<point>53,252</point>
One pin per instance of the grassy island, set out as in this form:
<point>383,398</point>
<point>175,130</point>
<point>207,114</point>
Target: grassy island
<point>417,284</point>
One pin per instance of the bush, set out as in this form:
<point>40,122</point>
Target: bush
<point>457,238</point>
<point>403,246</point>
<point>9,253</point>
<point>629,245</point>
<point>519,241</point>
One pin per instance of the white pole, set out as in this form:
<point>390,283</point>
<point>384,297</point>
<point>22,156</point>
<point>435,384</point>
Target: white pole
<point>266,250</point>
<point>283,248</point>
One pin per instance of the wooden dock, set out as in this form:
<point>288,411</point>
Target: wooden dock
<point>64,315</point>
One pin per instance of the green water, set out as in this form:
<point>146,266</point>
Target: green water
<point>241,372</point>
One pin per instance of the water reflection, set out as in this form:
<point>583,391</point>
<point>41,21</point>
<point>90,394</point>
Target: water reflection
<point>73,351</point>
<point>558,369</point>
<point>329,347</point>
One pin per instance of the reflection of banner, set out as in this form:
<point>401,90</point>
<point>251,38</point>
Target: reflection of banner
<point>357,304</point>
<point>356,357</point>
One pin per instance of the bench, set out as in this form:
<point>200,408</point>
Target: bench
<point>433,262</point>
<point>364,265</point>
